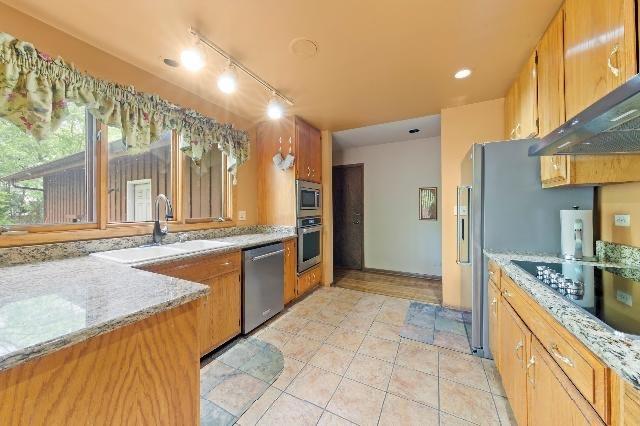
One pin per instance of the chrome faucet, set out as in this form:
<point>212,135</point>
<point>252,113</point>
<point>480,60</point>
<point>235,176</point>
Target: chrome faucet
<point>159,232</point>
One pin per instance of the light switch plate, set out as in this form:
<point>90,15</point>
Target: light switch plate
<point>622,220</point>
<point>242,215</point>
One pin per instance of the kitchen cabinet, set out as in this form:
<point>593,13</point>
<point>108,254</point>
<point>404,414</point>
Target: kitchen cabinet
<point>599,49</point>
<point>625,407</point>
<point>309,279</point>
<point>276,188</point>
<point>551,397</point>
<point>521,103</point>
<point>494,332</point>
<point>290,269</point>
<point>514,343</point>
<point>219,313</point>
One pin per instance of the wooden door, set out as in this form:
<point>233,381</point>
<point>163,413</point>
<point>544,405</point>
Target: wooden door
<point>225,309</point>
<point>348,216</point>
<point>494,337</point>
<point>290,269</point>
<point>314,154</point>
<point>527,100</point>
<point>510,112</point>
<point>552,398</point>
<point>303,166</point>
<point>513,344</point>
<point>599,49</point>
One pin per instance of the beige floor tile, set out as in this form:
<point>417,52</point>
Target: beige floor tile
<point>314,385</point>
<point>316,331</point>
<point>332,359</point>
<point>357,323</point>
<point>385,331</point>
<point>400,411</point>
<point>289,410</point>
<point>330,419</point>
<point>237,393</point>
<point>449,420</point>
<point>357,403</point>
<point>414,385</point>
<point>258,408</point>
<point>274,337</point>
<point>391,315</point>
<point>418,358</point>
<point>379,348</point>
<point>463,370</point>
<point>495,381</point>
<point>370,371</point>
<point>342,306</point>
<point>328,316</point>
<point>505,414</point>
<point>467,403</point>
<point>394,302</point>
<point>451,340</point>
<point>301,348</point>
<point>290,370</point>
<point>345,339</point>
<point>289,323</point>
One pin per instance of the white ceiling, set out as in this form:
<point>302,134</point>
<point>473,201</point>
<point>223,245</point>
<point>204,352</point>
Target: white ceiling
<point>396,131</point>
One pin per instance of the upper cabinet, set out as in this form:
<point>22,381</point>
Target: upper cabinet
<point>521,107</point>
<point>599,49</point>
<point>308,145</point>
<point>588,50</point>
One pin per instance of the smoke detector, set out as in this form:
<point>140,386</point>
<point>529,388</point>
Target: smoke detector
<point>303,47</point>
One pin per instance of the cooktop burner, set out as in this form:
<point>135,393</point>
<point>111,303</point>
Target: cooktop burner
<point>610,294</point>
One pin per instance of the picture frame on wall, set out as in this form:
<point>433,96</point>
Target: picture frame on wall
<point>428,203</point>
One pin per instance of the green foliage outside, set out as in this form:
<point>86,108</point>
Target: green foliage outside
<point>20,151</point>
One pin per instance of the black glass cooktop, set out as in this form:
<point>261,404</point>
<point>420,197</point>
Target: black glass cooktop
<point>610,294</point>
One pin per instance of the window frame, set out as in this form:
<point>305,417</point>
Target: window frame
<point>101,227</point>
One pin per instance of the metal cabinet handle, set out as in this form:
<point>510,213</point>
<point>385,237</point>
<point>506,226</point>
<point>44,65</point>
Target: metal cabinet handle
<point>614,52</point>
<point>531,363</point>
<point>491,274</point>
<point>263,256</point>
<point>494,302</point>
<point>519,346</point>
<point>308,171</point>
<point>555,351</point>
<point>506,293</point>
<point>517,130</point>
<point>227,263</point>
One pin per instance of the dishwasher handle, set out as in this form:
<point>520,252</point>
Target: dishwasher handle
<point>264,256</point>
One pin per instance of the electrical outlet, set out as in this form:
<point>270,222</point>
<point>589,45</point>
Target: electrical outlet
<point>623,297</point>
<point>622,220</point>
<point>242,215</point>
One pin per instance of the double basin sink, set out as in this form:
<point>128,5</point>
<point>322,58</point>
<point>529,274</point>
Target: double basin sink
<point>155,252</point>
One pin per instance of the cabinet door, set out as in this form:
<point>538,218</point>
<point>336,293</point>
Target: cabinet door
<point>552,398</point>
<point>514,338</point>
<point>204,323</point>
<point>303,167</point>
<point>510,112</point>
<point>527,100</point>
<point>599,49</point>
<point>224,309</point>
<point>494,337</point>
<point>290,255</point>
<point>314,154</point>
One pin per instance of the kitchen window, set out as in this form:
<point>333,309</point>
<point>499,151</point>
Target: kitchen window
<point>207,193</point>
<point>48,182</point>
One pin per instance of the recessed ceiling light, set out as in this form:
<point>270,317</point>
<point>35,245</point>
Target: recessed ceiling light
<point>171,62</point>
<point>414,130</point>
<point>303,47</point>
<point>463,73</point>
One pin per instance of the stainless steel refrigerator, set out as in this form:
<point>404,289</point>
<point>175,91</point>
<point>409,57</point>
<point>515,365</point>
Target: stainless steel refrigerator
<point>501,206</point>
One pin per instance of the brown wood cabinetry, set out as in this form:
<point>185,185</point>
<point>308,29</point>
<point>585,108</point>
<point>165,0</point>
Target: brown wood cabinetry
<point>219,313</point>
<point>514,343</point>
<point>276,188</point>
<point>521,104</point>
<point>625,402</point>
<point>494,331</point>
<point>290,270</point>
<point>309,279</point>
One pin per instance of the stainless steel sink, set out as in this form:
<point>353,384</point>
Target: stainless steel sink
<point>144,254</point>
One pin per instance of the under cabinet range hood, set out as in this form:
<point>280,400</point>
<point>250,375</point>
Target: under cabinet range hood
<point>610,126</point>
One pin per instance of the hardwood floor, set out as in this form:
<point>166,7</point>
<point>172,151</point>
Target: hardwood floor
<point>421,289</point>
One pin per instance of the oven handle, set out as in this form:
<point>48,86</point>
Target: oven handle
<point>311,229</point>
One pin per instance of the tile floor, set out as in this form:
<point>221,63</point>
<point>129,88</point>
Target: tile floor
<point>338,357</point>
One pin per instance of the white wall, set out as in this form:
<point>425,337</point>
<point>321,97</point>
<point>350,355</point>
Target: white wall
<point>394,238</point>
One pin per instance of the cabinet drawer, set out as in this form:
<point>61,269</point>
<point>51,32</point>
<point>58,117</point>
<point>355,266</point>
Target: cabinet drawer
<point>200,268</point>
<point>586,372</point>
<point>494,273</point>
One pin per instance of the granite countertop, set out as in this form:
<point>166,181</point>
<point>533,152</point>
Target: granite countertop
<point>49,305</point>
<point>618,352</point>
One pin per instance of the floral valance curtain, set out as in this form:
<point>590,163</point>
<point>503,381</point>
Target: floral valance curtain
<point>35,90</point>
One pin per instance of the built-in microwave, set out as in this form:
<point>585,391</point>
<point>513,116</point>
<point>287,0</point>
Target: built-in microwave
<point>308,199</point>
<point>309,242</point>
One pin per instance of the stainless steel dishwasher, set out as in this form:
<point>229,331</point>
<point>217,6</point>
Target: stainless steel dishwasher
<point>262,284</point>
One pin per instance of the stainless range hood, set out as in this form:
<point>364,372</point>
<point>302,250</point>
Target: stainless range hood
<point>609,126</point>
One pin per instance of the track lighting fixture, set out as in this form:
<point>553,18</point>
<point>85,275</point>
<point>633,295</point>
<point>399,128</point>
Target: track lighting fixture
<point>227,81</point>
<point>275,109</point>
<point>192,58</point>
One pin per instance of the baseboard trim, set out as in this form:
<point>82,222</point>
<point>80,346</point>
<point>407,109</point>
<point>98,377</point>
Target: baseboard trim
<point>402,274</point>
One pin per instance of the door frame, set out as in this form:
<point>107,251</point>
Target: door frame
<point>360,166</point>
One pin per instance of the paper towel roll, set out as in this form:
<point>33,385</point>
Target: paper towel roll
<point>567,233</point>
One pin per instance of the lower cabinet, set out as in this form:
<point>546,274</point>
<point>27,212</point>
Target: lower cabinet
<point>290,271</point>
<point>552,398</point>
<point>494,332</point>
<point>514,343</point>
<point>309,279</point>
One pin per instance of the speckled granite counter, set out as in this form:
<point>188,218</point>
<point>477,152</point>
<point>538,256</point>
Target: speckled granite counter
<point>53,304</point>
<point>620,353</point>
